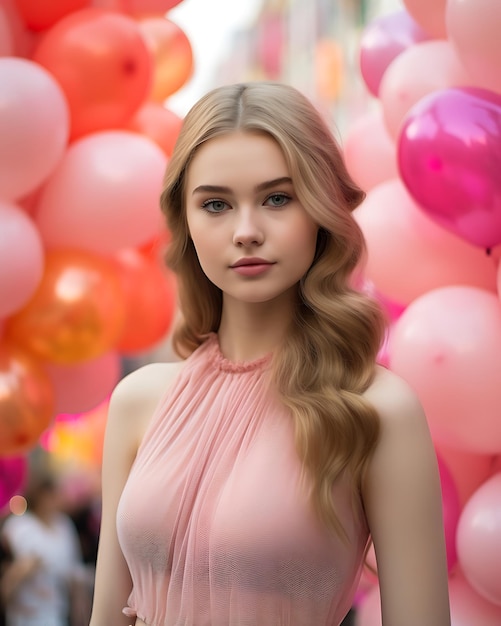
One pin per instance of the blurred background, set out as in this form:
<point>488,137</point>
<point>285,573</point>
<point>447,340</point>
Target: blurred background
<point>92,96</point>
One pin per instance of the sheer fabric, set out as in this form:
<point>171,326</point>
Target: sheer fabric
<point>215,521</point>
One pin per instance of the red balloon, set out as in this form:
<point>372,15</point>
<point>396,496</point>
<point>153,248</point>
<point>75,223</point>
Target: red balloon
<point>26,400</point>
<point>150,293</point>
<point>40,15</point>
<point>159,124</point>
<point>77,312</point>
<point>147,7</point>
<point>103,64</point>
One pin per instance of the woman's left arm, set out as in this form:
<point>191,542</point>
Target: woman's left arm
<point>403,503</point>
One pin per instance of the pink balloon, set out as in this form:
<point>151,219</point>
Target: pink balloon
<point>447,345</point>
<point>430,14</point>
<point>13,472</point>
<point>468,469</point>
<point>369,151</point>
<point>104,195</point>
<point>468,608</point>
<point>82,387</point>
<point>34,126</point>
<point>449,159</point>
<point>420,70</point>
<point>400,237</point>
<point>473,28</point>
<point>479,540</point>
<point>21,258</point>
<point>451,510</point>
<point>383,39</point>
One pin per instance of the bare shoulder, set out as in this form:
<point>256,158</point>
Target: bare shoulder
<point>394,399</point>
<point>138,394</point>
<point>147,383</point>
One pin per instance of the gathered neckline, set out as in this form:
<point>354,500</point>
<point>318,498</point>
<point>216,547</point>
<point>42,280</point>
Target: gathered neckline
<point>235,367</point>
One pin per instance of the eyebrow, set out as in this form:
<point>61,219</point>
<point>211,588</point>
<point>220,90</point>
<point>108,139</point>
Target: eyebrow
<point>261,187</point>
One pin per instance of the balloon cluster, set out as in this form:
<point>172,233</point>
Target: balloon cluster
<point>429,156</point>
<point>84,141</point>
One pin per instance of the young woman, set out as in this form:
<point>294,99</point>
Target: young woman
<point>241,485</point>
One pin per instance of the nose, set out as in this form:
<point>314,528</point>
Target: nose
<point>248,230</point>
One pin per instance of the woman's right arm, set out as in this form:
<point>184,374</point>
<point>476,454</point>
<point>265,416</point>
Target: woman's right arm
<point>132,403</point>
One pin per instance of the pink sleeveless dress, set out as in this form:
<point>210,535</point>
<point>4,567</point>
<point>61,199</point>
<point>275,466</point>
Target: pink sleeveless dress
<point>215,521</point>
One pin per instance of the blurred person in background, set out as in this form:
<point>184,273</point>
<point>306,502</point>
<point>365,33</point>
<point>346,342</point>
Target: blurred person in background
<point>45,539</point>
<point>12,573</point>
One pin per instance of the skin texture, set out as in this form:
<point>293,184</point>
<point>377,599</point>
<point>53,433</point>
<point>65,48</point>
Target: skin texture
<point>401,491</point>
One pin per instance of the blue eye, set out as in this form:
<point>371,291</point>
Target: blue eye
<point>277,199</point>
<point>214,206</point>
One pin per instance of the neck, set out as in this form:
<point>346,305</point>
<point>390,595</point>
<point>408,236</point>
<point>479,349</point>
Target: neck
<point>250,331</point>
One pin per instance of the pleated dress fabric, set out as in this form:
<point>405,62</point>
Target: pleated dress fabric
<point>216,522</point>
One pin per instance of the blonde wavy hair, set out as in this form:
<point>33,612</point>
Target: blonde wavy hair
<point>328,359</point>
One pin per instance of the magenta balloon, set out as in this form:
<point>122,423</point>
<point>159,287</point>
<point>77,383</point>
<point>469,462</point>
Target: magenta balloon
<point>449,157</point>
<point>384,39</point>
<point>13,472</point>
<point>34,126</point>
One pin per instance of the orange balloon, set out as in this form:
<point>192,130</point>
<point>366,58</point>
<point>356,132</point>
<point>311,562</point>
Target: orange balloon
<point>77,312</point>
<point>150,291</point>
<point>26,400</point>
<point>102,63</point>
<point>42,15</point>
<point>159,124</point>
<point>172,54</point>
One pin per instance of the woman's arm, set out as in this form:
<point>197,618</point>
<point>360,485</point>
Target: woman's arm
<point>403,504</point>
<point>131,406</point>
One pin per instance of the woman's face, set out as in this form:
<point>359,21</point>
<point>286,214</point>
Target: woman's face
<point>253,238</point>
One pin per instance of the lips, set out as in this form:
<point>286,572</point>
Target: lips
<point>251,261</point>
